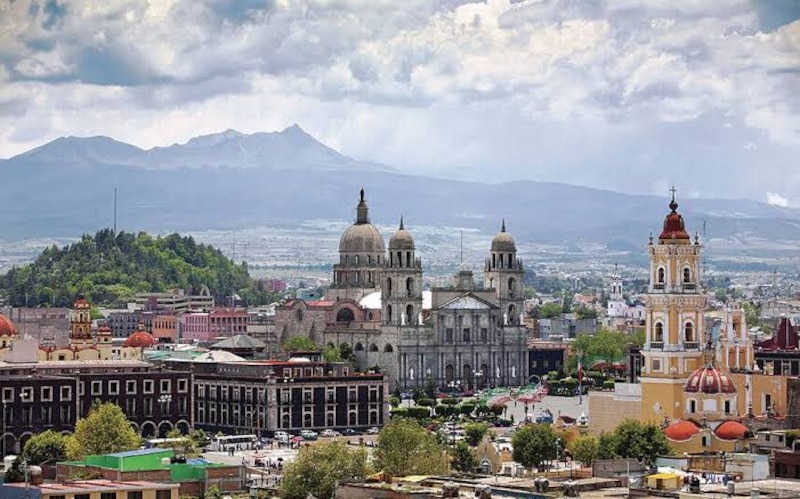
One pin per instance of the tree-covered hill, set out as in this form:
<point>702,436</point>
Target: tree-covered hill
<point>109,269</point>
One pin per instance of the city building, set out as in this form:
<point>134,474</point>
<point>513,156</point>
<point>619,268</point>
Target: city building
<point>465,335</point>
<point>92,489</point>
<point>206,327</point>
<point>47,325</point>
<point>698,380</point>
<point>54,394</point>
<point>303,392</point>
<point>176,301</point>
<point>546,356</point>
<point>779,354</point>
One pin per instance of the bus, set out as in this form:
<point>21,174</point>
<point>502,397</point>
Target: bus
<point>221,442</point>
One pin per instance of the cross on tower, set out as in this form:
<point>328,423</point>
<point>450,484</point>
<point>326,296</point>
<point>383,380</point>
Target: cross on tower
<point>673,190</point>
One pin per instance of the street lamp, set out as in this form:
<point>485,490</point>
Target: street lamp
<point>555,467</point>
<point>4,427</point>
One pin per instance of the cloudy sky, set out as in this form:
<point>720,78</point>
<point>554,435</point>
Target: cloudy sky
<point>630,95</point>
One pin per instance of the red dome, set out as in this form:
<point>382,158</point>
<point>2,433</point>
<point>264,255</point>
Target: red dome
<point>673,225</point>
<point>140,339</point>
<point>731,430</point>
<point>7,328</point>
<point>709,379</point>
<point>681,430</point>
<point>81,303</point>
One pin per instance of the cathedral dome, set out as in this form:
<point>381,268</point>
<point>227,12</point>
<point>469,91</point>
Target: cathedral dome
<point>731,430</point>
<point>7,328</point>
<point>709,380</point>
<point>363,238</point>
<point>140,339</point>
<point>681,430</point>
<point>673,224</point>
<point>401,240</point>
<point>81,304</point>
<point>503,241</point>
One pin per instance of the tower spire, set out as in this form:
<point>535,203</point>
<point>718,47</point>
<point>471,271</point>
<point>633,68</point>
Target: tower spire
<point>503,226</point>
<point>401,223</point>
<point>362,212</point>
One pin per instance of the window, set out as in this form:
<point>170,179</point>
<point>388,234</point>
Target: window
<point>82,496</point>
<point>660,278</point>
<point>148,386</point>
<point>58,497</point>
<point>148,407</point>
<point>47,394</point>
<point>688,332</point>
<point>448,335</point>
<point>8,394</point>
<point>656,365</point>
<point>165,386</point>
<point>130,387</point>
<point>97,388</point>
<point>307,397</point>
<point>330,395</point>
<point>183,387</point>
<point>66,393</point>
<point>286,396</point>
<point>727,407</point>
<point>27,394</point>
<point>163,494</point>
<point>659,332</point>
<point>113,387</point>
<point>108,495</point>
<point>687,275</point>
<point>484,335</point>
<point>135,495</point>
<point>466,335</point>
<point>692,406</point>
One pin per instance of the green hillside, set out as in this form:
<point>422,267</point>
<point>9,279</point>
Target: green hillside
<point>110,269</point>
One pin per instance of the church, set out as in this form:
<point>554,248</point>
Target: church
<point>699,380</point>
<point>464,337</point>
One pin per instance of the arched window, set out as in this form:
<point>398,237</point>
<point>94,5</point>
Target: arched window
<point>494,261</point>
<point>659,332</point>
<point>373,348</point>
<point>329,420</point>
<point>352,419</point>
<point>359,347</point>
<point>389,287</point>
<point>687,275</point>
<point>512,311</point>
<point>307,419</point>
<point>448,373</point>
<point>660,278</point>
<point>409,286</point>
<point>688,332</point>
<point>410,314</point>
<point>345,315</point>
<point>285,421</point>
<point>510,261</point>
<point>388,314</point>
<point>388,348</point>
<point>511,286</point>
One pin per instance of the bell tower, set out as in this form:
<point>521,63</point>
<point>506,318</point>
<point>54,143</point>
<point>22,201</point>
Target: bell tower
<point>503,273</point>
<point>674,318</point>
<point>401,286</point>
<point>81,322</point>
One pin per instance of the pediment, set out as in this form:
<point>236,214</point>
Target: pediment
<point>467,302</point>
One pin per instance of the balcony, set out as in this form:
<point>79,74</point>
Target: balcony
<point>689,286</point>
<point>656,345</point>
<point>691,345</point>
<point>659,286</point>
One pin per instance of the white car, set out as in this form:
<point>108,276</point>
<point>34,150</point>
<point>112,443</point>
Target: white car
<point>330,433</point>
<point>373,431</point>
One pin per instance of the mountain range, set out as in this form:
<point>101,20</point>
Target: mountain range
<point>230,180</point>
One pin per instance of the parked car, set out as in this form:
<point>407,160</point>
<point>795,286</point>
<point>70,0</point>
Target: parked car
<point>309,434</point>
<point>282,437</point>
<point>373,431</point>
<point>328,433</point>
<point>503,423</point>
<point>350,431</point>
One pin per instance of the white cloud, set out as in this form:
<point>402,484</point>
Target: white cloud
<point>777,200</point>
<point>606,93</point>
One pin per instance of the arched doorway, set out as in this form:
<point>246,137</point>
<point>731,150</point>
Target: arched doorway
<point>163,428</point>
<point>484,376</point>
<point>448,373</point>
<point>467,375</point>
<point>183,427</point>
<point>9,444</point>
<point>148,429</point>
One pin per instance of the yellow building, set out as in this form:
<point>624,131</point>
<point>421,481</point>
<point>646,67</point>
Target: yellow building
<point>699,382</point>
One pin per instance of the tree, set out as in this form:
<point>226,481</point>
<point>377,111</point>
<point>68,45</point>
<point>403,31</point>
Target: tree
<point>643,442</point>
<point>47,447</point>
<point>318,468</point>
<point>585,449</point>
<point>181,445</point>
<point>463,458</point>
<point>332,354</point>
<point>16,473</point>
<point>103,431</point>
<point>583,312</point>
<point>607,446</point>
<point>299,344</point>
<point>406,448</point>
<point>474,433</point>
<point>533,444</point>
<point>550,310</point>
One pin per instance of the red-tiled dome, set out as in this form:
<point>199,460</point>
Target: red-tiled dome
<point>709,379</point>
<point>731,430</point>
<point>81,303</point>
<point>140,339</point>
<point>673,225</point>
<point>681,430</point>
<point>7,328</point>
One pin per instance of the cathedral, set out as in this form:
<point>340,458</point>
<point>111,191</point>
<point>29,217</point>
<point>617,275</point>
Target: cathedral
<point>462,337</point>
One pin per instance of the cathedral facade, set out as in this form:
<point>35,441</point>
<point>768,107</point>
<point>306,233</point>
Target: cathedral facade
<point>463,337</point>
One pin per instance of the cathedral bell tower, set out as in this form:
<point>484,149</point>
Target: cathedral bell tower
<point>401,287</point>
<point>81,322</point>
<point>674,319</point>
<point>504,273</point>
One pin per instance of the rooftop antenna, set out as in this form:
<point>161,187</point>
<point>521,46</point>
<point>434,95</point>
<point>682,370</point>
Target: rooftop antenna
<point>115,210</point>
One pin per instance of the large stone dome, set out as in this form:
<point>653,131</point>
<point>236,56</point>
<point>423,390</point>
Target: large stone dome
<point>709,380</point>
<point>503,242</point>
<point>362,236</point>
<point>401,240</point>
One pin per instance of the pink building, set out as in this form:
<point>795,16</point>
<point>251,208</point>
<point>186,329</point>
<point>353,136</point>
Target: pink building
<point>207,326</point>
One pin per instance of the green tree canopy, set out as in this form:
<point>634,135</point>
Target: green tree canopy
<point>104,430</point>
<point>549,310</point>
<point>406,448</point>
<point>474,432</point>
<point>318,468</point>
<point>298,344</point>
<point>47,447</point>
<point>585,449</point>
<point>641,441</point>
<point>534,444</point>
<point>111,268</point>
<point>463,457</point>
